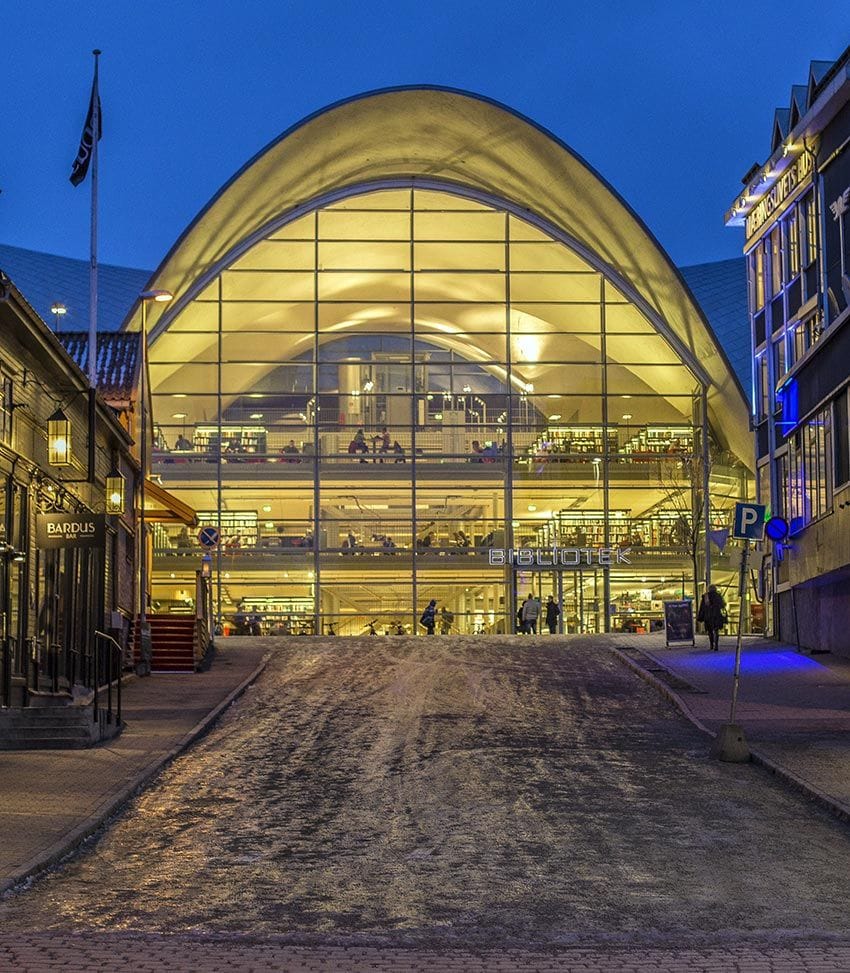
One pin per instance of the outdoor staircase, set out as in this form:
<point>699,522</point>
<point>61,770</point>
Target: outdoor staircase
<point>53,728</point>
<point>173,639</point>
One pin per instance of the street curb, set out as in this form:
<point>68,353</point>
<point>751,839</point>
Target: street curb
<point>115,802</point>
<point>804,787</point>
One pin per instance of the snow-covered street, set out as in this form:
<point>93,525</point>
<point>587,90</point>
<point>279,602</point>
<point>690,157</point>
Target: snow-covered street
<point>453,791</point>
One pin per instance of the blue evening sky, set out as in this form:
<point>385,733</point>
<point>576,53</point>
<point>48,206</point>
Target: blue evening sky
<point>671,101</point>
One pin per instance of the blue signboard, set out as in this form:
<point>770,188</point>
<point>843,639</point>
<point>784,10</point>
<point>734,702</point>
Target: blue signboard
<point>209,536</point>
<point>749,521</point>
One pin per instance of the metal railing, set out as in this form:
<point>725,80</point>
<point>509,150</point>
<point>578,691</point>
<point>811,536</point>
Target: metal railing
<point>108,657</point>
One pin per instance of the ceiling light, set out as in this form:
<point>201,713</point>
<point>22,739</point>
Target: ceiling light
<point>256,415</point>
<point>555,417</point>
<point>267,509</point>
<point>178,415</point>
<point>532,507</point>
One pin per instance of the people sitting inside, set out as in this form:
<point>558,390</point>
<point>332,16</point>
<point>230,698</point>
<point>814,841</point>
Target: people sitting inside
<point>183,443</point>
<point>233,450</point>
<point>358,444</point>
<point>381,442</point>
<point>477,452</point>
<point>290,451</point>
<point>461,538</point>
<point>398,452</point>
<point>388,544</point>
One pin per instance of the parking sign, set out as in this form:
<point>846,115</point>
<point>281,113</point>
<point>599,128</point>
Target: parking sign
<point>749,521</point>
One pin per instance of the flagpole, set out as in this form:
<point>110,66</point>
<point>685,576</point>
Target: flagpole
<point>93,263</point>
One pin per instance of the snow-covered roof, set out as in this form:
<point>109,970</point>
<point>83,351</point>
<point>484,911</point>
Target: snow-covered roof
<point>117,361</point>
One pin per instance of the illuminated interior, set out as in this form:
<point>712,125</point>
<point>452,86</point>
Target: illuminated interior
<point>391,384</point>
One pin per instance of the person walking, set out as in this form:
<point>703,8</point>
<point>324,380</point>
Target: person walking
<point>552,613</point>
<point>520,624</point>
<point>712,613</point>
<point>530,614</point>
<point>429,617</point>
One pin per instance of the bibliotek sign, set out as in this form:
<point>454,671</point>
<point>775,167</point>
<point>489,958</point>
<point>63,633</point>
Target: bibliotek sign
<point>69,530</point>
<point>558,557</point>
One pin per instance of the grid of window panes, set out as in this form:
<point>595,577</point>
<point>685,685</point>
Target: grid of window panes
<point>805,472</point>
<point>783,277</point>
<point>383,391</point>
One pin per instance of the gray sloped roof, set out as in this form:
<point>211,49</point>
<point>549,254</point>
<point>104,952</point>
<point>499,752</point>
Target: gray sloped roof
<point>117,360</point>
<point>720,288</point>
<point>44,278</point>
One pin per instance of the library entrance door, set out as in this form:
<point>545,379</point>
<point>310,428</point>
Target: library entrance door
<point>578,592</point>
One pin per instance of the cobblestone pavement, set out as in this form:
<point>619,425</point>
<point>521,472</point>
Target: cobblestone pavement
<point>155,954</point>
<point>461,794</point>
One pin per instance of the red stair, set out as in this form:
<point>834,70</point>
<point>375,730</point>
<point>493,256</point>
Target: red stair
<point>173,642</point>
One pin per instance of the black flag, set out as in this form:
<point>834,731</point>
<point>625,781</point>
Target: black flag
<point>94,121</point>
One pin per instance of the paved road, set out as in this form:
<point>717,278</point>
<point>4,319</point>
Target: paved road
<point>440,793</point>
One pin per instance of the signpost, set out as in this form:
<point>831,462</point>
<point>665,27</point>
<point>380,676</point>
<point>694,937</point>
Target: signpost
<point>729,744</point>
<point>209,536</point>
<point>679,621</point>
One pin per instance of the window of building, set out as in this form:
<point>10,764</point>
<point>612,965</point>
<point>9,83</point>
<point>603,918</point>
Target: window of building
<point>780,501</point>
<point>841,439</point>
<point>763,390</point>
<point>792,244</point>
<point>774,244</point>
<point>757,263</point>
<point>780,358</point>
<point>809,228</point>
<point>6,409</point>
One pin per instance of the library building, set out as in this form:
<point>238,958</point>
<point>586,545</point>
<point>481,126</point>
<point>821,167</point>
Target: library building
<point>418,349</point>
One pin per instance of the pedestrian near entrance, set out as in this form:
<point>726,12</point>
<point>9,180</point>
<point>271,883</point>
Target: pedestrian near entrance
<point>429,617</point>
<point>530,614</point>
<point>520,625</point>
<point>552,613</point>
<point>712,613</point>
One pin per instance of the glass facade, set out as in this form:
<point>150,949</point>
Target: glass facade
<point>382,394</point>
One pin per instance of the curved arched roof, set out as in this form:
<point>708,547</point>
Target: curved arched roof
<point>444,137</point>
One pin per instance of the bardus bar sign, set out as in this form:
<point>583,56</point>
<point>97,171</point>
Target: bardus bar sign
<point>69,530</point>
<point>559,557</point>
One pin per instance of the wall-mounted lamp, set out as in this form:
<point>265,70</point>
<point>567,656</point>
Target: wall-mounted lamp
<point>59,439</point>
<point>115,492</point>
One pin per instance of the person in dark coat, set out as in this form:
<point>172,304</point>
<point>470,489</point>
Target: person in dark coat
<point>429,617</point>
<point>552,613</point>
<point>712,613</point>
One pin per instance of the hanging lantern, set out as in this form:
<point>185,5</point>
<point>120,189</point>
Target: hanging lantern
<point>115,492</point>
<point>59,439</point>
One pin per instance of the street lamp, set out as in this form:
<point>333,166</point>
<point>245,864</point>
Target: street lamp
<point>145,645</point>
<point>59,439</point>
<point>115,490</point>
<point>57,309</point>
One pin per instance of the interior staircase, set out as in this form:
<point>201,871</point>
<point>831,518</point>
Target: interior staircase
<point>173,641</point>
